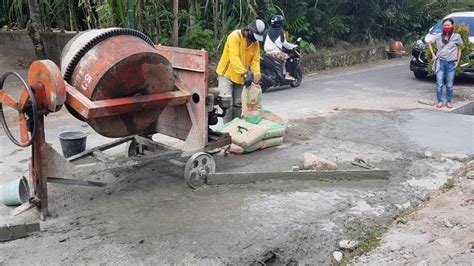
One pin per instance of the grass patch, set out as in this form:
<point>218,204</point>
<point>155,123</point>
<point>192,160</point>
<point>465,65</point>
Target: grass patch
<point>406,215</point>
<point>449,184</point>
<point>369,237</point>
<point>401,220</point>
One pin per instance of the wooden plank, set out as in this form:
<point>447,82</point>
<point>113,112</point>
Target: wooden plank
<point>326,176</point>
<point>10,232</point>
<point>75,182</point>
<point>23,208</point>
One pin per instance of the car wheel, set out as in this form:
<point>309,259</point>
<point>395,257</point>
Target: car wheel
<point>298,78</point>
<point>264,88</point>
<point>420,75</point>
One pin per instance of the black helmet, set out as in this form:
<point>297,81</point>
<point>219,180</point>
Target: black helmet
<point>277,21</point>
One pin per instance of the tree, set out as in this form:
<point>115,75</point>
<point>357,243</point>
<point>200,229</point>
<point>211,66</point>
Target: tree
<point>322,23</point>
<point>192,9</point>
<point>34,28</point>
<point>175,33</point>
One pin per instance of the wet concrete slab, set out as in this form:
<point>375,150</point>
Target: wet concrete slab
<point>440,131</point>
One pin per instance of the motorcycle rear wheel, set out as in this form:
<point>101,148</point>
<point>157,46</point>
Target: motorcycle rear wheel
<point>298,78</point>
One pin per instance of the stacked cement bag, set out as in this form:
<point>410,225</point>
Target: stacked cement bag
<point>274,135</point>
<point>252,104</point>
<point>257,129</point>
<point>248,137</point>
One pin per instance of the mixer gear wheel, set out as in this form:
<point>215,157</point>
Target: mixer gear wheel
<point>26,106</point>
<point>99,36</point>
<point>198,167</point>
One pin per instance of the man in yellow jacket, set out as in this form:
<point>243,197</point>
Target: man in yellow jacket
<point>240,64</point>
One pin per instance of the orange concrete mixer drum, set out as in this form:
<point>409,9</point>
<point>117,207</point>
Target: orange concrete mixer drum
<point>117,63</point>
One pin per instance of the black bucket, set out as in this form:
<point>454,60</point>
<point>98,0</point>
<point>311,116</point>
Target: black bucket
<point>72,142</point>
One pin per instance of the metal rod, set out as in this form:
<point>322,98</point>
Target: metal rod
<point>66,181</point>
<point>100,148</point>
<point>154,158</point>
<point>177,163</point>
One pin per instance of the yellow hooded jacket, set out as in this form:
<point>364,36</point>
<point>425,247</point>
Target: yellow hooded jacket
<point>237,57</point>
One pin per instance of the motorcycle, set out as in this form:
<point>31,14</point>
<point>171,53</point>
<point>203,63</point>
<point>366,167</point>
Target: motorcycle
<point>272,69</point>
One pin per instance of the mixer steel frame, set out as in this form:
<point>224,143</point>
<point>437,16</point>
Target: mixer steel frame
<point>184,117</point>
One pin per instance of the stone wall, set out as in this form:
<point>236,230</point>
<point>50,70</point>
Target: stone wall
<point>19,43</point>
<point>320,61</point>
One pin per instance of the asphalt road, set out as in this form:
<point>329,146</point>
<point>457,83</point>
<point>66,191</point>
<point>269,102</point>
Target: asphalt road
<point>385,85</point>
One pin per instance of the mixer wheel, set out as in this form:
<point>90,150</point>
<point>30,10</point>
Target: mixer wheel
<point>198,167</point>
<point>26,108</point>
<point>132,149</point>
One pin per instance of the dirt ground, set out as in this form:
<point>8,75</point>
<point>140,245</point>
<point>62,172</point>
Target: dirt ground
<point>144,216</point>
<point>440,232</point>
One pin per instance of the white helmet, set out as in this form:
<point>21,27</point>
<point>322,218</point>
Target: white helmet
<point>258,28</point>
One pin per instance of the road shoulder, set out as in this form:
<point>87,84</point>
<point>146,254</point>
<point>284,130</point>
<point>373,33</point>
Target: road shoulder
<point>441,232</point>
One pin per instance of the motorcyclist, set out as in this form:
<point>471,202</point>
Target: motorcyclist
<point>240,64</point>
<point>275,40</point>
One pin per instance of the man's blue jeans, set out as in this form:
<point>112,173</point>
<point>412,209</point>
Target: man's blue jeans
<point>446,70</point>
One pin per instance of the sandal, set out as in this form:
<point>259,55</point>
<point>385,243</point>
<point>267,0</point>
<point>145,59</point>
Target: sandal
<point>362,163</point>
<point>449,105</point>
<point>439,105</point>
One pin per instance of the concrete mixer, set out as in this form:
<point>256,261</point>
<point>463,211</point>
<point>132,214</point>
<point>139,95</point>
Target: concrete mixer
<point>125,87</point>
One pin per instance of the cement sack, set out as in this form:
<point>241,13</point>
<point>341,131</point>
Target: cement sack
<point>252,104</point>
<point>264,144</point>
<point>273,142</point>
<point>243,133</point>
<point>274,130</point>
<point>236,149</point>
<point>270,116</point>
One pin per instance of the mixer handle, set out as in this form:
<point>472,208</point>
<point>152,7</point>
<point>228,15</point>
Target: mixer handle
<point>26,108</point>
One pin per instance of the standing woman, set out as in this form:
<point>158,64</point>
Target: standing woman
<point>446,60</point>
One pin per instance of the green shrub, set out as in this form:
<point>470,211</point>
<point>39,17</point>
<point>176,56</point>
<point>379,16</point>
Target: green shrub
<point>307,47</point>
<point>198,38</point>
<point>321,23</point>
